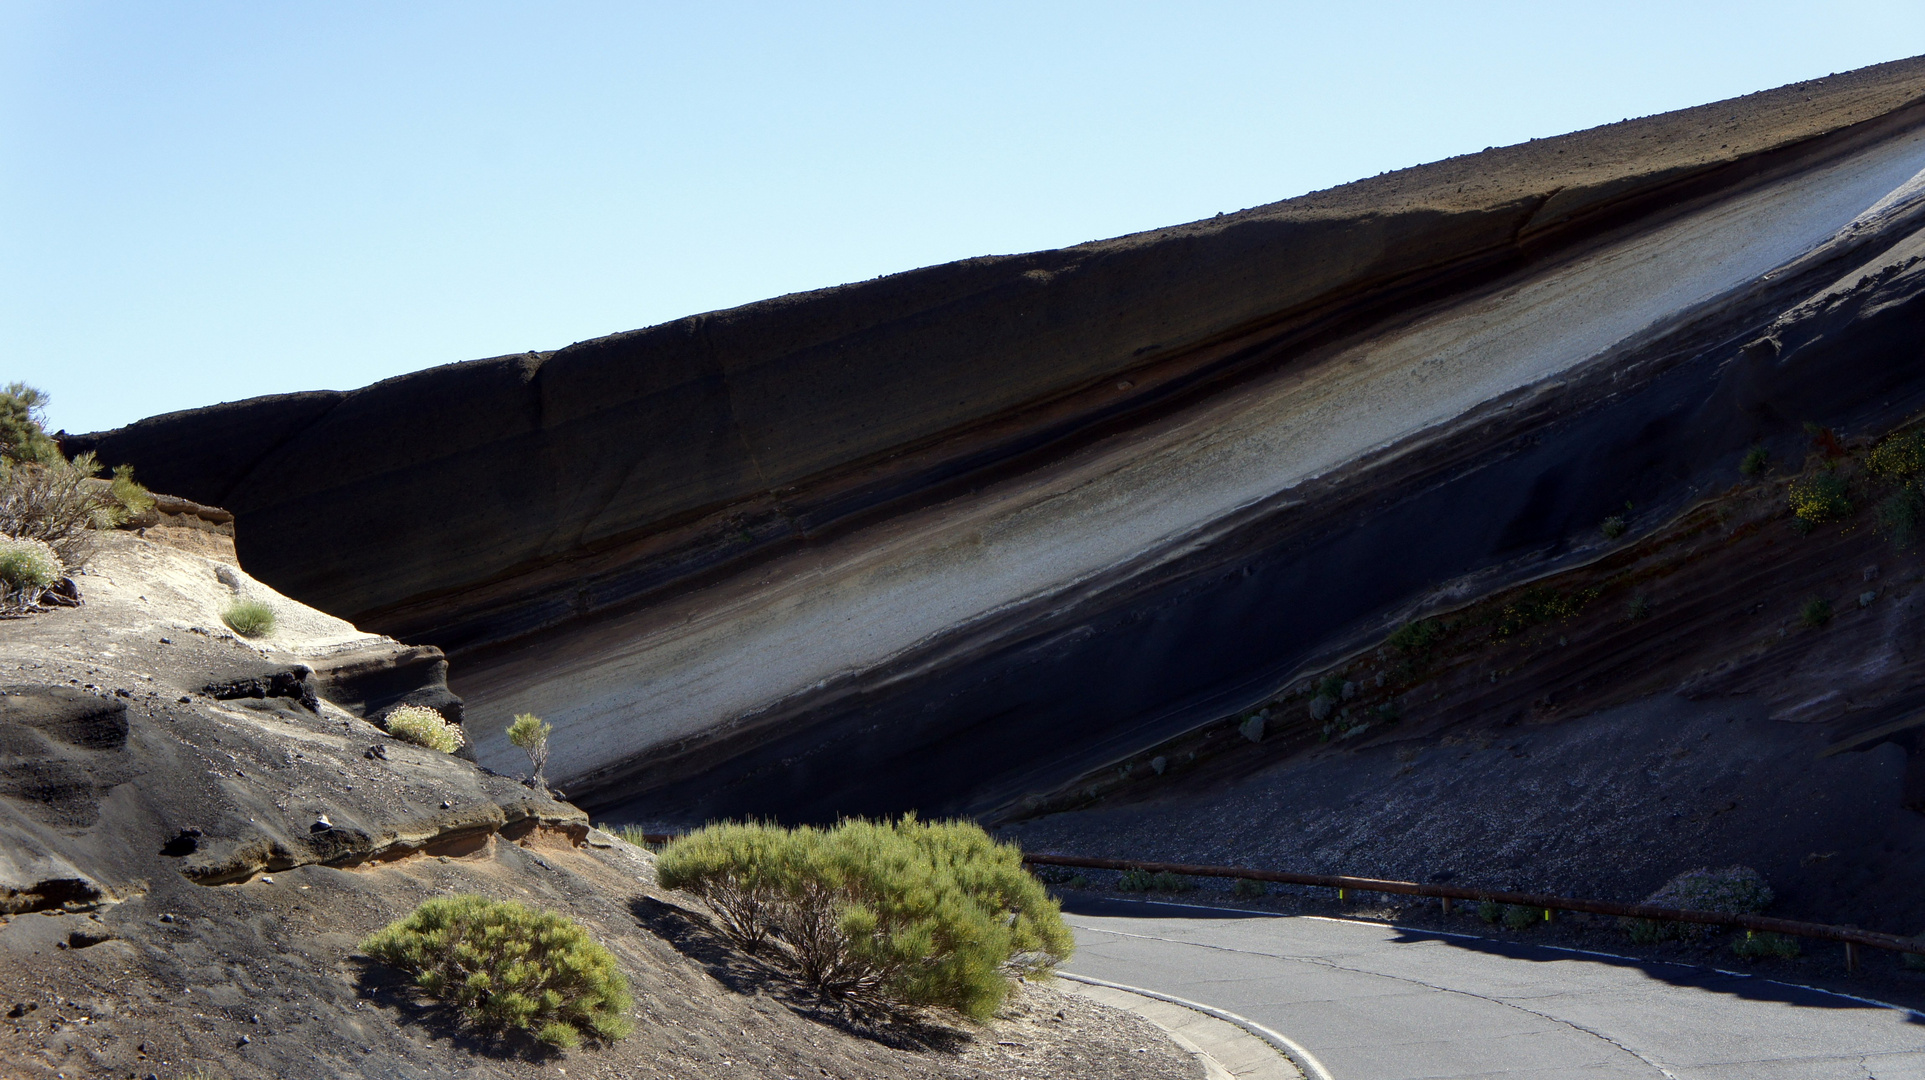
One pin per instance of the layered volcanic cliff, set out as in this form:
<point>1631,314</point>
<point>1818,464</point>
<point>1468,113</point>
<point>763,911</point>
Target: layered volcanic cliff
<point>946,538</point>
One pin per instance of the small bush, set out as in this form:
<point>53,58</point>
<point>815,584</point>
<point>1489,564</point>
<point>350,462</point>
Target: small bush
<point>27,567</point>
<point>1735,890</point>
<point>1416,637</point>
<point>1135,881</point>
<point>1815,613</point>
<point>56,501</point>
<point>506,967</point>
<point>23,438</point>
<point>1766,945</point>
<point>1640,607</point>
<point>1518,917</point>
<point>1900,515</point>
<point>1756,461</point>
<point>129,497</point>
<point>1901,456</point>
<point>249,618</point>
<point>529,733</point>
<point>423,726</point>
<point>1819,498</point>
<point>1247,889</point>
<point>1490,911</point>
<point>1613,527</point>
<point>631,834</point>
<point>877,915</point>
<point>1053,875</point>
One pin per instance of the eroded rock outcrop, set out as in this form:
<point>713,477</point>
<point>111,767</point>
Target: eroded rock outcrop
<point>946,536</point>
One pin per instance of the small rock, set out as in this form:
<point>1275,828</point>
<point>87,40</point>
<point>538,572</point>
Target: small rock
<point>166,641</point>
<point>1320,707</point>
<point>446,805</point>
<point>242,1041</point>
<point>377,752</point>
<point>1349,690</point>
<point>255,1019</point>
<point>124,692</point>
<point>321,824</point>
<point>266,880</point>
<point>1865,598</point>
<point>1158,764</point>
<point>1252,729</point>
<point>185,700</point>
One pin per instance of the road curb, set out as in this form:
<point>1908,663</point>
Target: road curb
<point>1303,1059</point>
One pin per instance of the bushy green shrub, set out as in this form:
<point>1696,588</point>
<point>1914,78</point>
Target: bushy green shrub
<point>1490,910</point>
<point>1640,607</point>
<point>55,501</point>
<point>1248,889</point>
<point>1755,462</point>
<point>507,967</point>
<point>249,618</point>
<point>1901,455</point>
<point>28,566</point>
<point>1416,637</point>
<point>1766,945</point>
<point>529,733</point>
<point>1519,917</point>
<point>423,726</point>
<point>22,436</point>
<point>1819,498</point>
<point>1816,612</point>
<point>1613,527</point>
<point>877,915</point>
<point>1734,890</point>
<point>1900,515</point>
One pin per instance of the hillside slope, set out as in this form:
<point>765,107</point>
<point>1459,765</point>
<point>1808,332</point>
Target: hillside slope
<point>949,537</point>
<point>196,832</point>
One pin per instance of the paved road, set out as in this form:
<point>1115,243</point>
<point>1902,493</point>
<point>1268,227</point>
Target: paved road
<point>1374,1002</point>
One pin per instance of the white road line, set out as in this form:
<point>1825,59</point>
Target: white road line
<point>1915,1014</point>
<point>1285,1045</point>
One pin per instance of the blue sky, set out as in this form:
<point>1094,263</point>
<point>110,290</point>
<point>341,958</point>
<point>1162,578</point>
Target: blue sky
<point>205,201</point>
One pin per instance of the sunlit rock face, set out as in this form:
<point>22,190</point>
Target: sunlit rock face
<point>944,538</point>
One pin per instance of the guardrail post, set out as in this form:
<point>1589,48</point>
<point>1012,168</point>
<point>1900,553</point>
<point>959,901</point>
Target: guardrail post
<point>1851,957</point>
<point>1446,901</point>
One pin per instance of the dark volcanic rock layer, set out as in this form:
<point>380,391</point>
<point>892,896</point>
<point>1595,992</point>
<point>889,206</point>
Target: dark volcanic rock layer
<point>570,525</point>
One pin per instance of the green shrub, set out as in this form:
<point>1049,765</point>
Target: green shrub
<point>56,501</point>
<point>1816,612</point>
<point>249,618</point>
<point>877,915</point>
<point>529,733</point>
<point>1613,527</point>
<point>28,566</point>
<point>1756,461</point>
<point>1766,945</point>
<point>1136,881</point>
<point>423,726</point>
<point>1819,498</point>
<point>1640,607</point>
<point>129,497</point>
<point>1416,637</point>
<point>23,438</point>
<point>1901,455</point>
<point>1518,917</point>
<point>1489,910</point>
<point>506,967</point>
<point>1248,889</point>
<point>1900,515</point>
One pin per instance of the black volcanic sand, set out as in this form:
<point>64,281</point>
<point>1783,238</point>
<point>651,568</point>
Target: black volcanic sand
<point>1607,807</point>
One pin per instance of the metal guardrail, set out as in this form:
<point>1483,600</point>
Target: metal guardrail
<point>1851,937</point>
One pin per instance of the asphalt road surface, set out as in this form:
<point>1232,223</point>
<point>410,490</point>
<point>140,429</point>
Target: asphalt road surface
<point>1376,1002</point>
